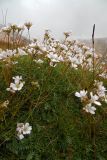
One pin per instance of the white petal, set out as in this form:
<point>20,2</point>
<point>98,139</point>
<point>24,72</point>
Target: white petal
<point>26,132</point>
<point>93,108</point>
<point>20,87</point>
<point>92,112</point>
<point>21,136</point>
<point>97,103</point>
<point>77,94</point>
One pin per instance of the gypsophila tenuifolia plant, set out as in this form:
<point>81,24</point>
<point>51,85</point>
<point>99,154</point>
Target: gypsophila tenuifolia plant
<point>28,25</point>
<point>50,107</point>
<point>7,31</point>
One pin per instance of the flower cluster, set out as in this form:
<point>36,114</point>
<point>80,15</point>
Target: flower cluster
<point>17,85</point>
<point>12,28</point>
<point>77,54</point>
<point>92,98</point>
<point>54,58</point>
<point>4,55</point>
<point>23,129</point>
<point>71,52</point>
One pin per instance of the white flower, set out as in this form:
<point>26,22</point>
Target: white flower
<point>103,75</point>
<point>89,108</point>
<point>94,99</point>
<point>101,90</point>
<point>21,52</point>
<point>38,61</point>
<point>89,61</point>
<point>27,128</point>
<point>23,129</point>
<point>20,127</point>
<point>82,94</point>
<point>6,54</point>
<point>54,57</point>
<point>74,66</point>
<point>60,58</point>
<point>17,85</point>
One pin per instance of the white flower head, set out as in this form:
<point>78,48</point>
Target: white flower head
<point>101,91</point>
<point>103,75</point>
<point>89,108</point>
<point>21,52</point>
<point>20,127</point>
<point>23,129</point>
<point>94,99</point>
<point>17,85</point>
<point>54,57</point>
<point>82,94</point>
<point>27,128</point>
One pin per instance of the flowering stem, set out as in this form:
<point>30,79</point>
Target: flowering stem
<point>93,47</point>
<point>8,41</point>
<point>19,39</point>
<point>29,35</point>
<point>13,39</point>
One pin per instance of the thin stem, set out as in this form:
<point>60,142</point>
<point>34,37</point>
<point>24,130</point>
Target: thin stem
<point>2,15</point>
<point>94,124</point>
<point>93,47</point>
<point>8,41</point>
<point>6,16</point>
<point>13,39</point>
<point>19,39</point>
<point>29,35</point>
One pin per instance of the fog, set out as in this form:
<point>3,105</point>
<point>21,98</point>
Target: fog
<point>77,16</point>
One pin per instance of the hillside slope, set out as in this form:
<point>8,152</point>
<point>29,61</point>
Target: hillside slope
<point>100,45</point>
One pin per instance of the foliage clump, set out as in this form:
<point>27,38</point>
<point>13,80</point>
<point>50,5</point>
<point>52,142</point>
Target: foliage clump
<point>41,116</point>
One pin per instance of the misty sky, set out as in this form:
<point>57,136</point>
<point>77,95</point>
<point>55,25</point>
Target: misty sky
<point>77,16</point>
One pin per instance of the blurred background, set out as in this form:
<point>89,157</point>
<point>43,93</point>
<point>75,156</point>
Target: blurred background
<point>77,16</point>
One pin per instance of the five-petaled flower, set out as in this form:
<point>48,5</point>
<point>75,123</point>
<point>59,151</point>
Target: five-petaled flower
<point>23,129</point>
<point>89,108</point>
<point>17,85</point>
<point>82,94</point>
<point>94,99</point>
